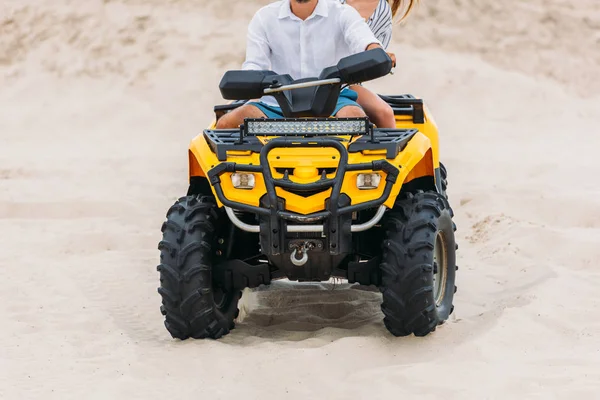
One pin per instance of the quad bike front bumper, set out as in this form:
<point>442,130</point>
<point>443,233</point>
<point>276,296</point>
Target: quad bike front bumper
<point>277,223</point>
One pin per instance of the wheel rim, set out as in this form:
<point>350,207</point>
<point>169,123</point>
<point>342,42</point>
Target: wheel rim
<point>440,268</point>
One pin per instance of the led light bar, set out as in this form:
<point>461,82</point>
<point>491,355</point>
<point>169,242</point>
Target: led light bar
<point>302,127</point>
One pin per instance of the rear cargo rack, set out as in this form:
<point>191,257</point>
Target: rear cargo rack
<point>406,104</point>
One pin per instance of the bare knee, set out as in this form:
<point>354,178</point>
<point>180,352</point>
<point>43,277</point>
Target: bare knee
<point>235,118</point>
<point>232,119</point>
<point>350,112</point>
<point>384,117</point>
<point>225,122</point>
<point>386,112</point>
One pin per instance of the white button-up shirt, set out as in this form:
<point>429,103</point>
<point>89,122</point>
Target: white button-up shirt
<point>281,42</point>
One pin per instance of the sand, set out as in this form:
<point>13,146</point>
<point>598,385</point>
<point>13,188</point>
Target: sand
<point>98,102</point>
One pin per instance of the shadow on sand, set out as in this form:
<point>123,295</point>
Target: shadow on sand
<point>291,311</point>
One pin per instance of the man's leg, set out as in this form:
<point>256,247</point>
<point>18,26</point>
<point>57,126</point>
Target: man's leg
<point>235,118</point>
<point>350,112</point>
<point>347,107</point>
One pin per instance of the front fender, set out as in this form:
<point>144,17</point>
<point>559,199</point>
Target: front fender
<point>415,161</point>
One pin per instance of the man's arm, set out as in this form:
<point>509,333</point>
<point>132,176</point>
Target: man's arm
<point>258,52</point>
<point>357,33</point>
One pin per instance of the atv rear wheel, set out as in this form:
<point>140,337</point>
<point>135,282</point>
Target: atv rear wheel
<point>190,304</point>
<point>419,264</point>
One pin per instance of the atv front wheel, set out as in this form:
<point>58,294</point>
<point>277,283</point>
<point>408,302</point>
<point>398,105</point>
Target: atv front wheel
<point>419,264</point>
<point>444,176</point>
<point>190,304</point>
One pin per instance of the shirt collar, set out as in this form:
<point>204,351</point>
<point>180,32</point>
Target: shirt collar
<point>285,11</point>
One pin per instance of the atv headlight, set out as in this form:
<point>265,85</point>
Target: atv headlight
<point>242,180</point>
<point>368,181</point>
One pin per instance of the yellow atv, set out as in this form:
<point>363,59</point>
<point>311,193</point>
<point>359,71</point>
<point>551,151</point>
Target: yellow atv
<point>307,198</point>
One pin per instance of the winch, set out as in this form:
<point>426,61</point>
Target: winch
<point>299,255</point>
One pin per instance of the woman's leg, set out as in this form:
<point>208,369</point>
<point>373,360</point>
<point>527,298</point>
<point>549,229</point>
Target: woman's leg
<point>378,111</point>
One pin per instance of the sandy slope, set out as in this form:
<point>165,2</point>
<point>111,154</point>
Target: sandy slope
<point>98,102</point>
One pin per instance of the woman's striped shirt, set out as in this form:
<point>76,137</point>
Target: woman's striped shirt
<point>380,22</point>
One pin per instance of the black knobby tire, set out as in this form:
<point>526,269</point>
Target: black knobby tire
<point>444,176</point>
<point>412,228</point>
<point>190,304</point>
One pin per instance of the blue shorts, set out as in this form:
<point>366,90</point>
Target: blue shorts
<point>347,97</point>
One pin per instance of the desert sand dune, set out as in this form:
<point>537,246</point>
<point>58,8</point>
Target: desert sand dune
<point>99,100</point>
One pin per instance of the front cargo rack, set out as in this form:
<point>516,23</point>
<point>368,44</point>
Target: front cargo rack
<point>245,138</point>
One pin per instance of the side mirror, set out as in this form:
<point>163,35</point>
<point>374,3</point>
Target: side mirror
<point>245,84</point>
<point>365,66</point>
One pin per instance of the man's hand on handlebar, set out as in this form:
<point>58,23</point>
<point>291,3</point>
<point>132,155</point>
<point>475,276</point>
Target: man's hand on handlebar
<point>391,55</point>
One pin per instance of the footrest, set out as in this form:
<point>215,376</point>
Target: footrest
<point>238,275</point>
<point>365,273</point>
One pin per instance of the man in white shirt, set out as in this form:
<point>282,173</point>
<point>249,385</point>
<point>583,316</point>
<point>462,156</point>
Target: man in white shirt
<point>301,38</point>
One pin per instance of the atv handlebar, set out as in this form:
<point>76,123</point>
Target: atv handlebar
<point>302,85</point>
<point>313,96</point>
